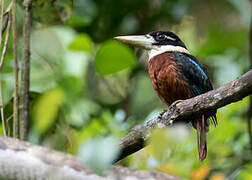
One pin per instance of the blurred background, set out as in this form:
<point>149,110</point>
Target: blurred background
<point>88,90</point>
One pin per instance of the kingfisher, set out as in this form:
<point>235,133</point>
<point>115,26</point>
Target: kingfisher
<point>176,75</point>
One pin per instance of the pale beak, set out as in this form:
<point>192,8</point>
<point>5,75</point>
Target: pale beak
<point>143,41</point>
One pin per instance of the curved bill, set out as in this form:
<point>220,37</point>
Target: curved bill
<point>143,41</point>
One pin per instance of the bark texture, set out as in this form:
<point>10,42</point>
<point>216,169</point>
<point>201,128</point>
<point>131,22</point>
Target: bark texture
<point>20,160</point>
<point>15,66</point>
<point>25,71</point>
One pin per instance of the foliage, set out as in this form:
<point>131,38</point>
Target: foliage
<point>109,61</point>
<point>88,90</point>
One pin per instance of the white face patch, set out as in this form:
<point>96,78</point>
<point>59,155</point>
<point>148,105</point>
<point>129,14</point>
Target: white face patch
<point>156,50</point>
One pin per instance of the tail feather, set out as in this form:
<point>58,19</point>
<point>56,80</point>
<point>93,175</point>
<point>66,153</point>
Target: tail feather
<point>201,127</point>
<point>214,120</point>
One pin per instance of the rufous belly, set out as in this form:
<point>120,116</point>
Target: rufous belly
<point>167,78</point>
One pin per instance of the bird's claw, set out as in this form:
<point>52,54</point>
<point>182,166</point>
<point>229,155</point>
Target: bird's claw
<point>171,122</point>
<point>176,102</point>
<point>161,114</point>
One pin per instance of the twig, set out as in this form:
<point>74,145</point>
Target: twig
<point>1,21</point>
<point>5,23</point>
<point>8,9</point>
<point>6,13</point>
<point>1,66</point>
<point>15,59</point>
<point>224,95</point>
<point>1,102</point>
<point>2,108</point>
<point>5,42</point>
<point>25,71</point>
<point>3,14</point>
<point>7,122</point>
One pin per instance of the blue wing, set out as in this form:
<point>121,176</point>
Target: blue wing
<point>194,73</point>
<point>195,76</point>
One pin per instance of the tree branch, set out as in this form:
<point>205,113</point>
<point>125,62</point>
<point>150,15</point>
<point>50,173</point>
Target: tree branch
<point>25,71</point>
<point>20,160</point>
<point>15,59</point>
<point>224,95</point>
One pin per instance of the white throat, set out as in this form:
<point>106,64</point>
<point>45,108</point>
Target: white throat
<point>168,48</point>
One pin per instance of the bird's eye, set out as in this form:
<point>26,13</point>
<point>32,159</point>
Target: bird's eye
<point>160,37</point>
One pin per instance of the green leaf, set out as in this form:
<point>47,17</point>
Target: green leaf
<point>1,129</point>
<point>82,43</point>
<point>76,20</point>
<point>113,57</point>
<point>170,138</point>
<point>221,39</point>
<point>98,153</point>
<point>155,148</point>
<point>46,109</point>
<point>245,173</point>
<point>81,111</point>
<point>93,128</point>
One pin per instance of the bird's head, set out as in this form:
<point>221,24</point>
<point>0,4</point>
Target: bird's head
<point>155,42</point>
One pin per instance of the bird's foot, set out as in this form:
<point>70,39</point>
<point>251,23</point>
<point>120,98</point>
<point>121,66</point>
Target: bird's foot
<point>172,107</point>
<point>176,102</point>
<point>161,114</point>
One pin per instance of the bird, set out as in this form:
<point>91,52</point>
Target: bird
<point>176,75</point>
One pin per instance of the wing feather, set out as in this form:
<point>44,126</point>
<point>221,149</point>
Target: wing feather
<point>196,77</point>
